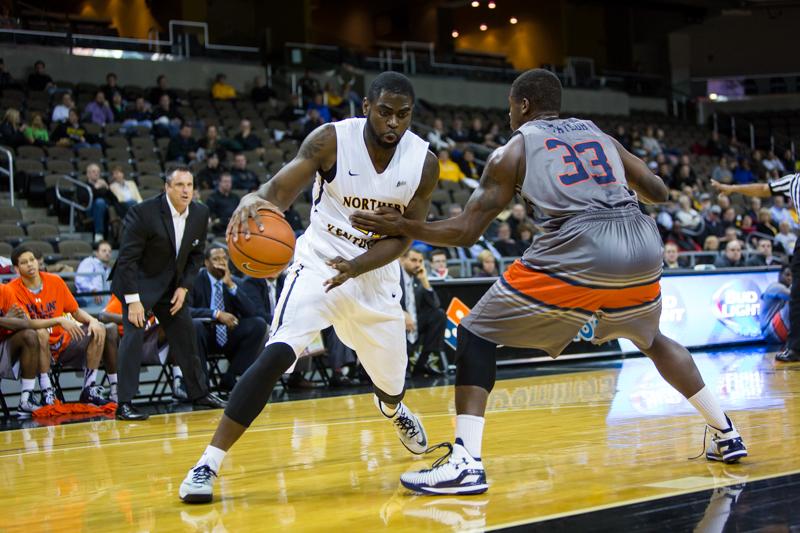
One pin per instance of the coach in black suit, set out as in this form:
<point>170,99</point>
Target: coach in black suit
<point>425,320</point>
<point>232,325</point>
<point>162,249</point>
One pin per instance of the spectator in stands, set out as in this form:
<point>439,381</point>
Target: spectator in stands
<point>36,133</point>
<point>61,111</point>
<point>72,134</point>
<point>526,232</point>
<point>309,85</point>
<point>318,104</point>
<point>715,147</point>
<point>507,246</point>
<point>207,177</point>
<point>100,201</point>
<point>711,244</point>
<point>221,89</point>
<point>766,224</point>
<point>476,132</point>
<point>160,90</point>
<point>785,239</point>
<point>211,143</point>
<point>236,330</point>
<point>459,133</point>
<point>222,203</point>
<point>246,139</point>
<point>98,111</point>
<point>45,296</point>
<point>39,80</point>
<point>683,176</point>
<point>650,144</point>
<point>774,318</point>
<point>519,215</point>
<point>438,260</point>
<point>95,269</point>
<point>313,121</point>
<point>138,116</point>
<point>713,222</point>
<point>747,228</point>
<point>243,177</point>
<point>166,118</point>
<point>729,218</point>
<point>261,93</point>
<point>471,168</point>
<point>773,163</point>
<point>183,147</point>
<point>764,256</point>
<point>487,265</point>
<point>294,219</point>
<point>742,173</point>
<point>732,256</point>
<point>788,161</point>
<point>779,212</point>
<point>493,139</point>
<point>294,111</point>
<point>683,241</point>
<point>126,191</point>
<point>755,207</point>
<point>437,137</point>
<point>731,234</point>
<point>671,256</point>
<point>12,130</point>
<point>448,169</point>
<point>689,218</point>
<point>6,81</point>
<point>333,99</point>
<point>622,136</point>
<point>111,86</point>
<point>425,320</point>
<point>119,109</point>
<point>722,171</point>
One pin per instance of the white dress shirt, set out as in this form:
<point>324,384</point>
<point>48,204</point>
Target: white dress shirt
<point>179,226</point>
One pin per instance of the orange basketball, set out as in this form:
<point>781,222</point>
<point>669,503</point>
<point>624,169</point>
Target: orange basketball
<point>266,253</point>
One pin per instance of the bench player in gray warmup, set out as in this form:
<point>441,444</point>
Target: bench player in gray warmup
<point>598,256</point>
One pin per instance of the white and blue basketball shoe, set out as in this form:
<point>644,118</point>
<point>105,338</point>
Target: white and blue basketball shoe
<point>408,426</point>
<point>726,445</point>
<point>457,472</point>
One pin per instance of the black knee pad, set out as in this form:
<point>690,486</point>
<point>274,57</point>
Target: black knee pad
<point>254,388</point>
<point>476,360</point>
<point>388,398</point>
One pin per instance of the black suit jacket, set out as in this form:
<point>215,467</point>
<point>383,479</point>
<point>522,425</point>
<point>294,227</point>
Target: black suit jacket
<point>147,264</point>
<point>199,299</point>
<point>258,293</point>
<point>426,300</point>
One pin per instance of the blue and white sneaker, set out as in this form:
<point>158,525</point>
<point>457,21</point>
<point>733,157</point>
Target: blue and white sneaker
<point>727,445</point>
<point>198,486</point>
<point>457,472</point>
<point>408,426</point>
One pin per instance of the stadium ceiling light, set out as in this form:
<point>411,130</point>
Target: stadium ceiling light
<point>454,34</point>
<point>475,3</point>
<point>491,5</point>
<point>713,96</point>
<point>484,27</point>
<point>513,20</point>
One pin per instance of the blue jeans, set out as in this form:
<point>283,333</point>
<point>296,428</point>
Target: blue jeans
<point>99,210</point>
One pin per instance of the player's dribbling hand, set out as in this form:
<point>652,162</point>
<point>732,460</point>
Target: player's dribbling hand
<point>382,221</point>
<point>248,208</point>
<point>347,269</point>
<point>136,314</point>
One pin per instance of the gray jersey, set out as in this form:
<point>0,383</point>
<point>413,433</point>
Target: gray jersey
<point>571,167</point>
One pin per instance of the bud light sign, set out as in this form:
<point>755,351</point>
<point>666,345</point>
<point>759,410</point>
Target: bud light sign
<point>736,305</point>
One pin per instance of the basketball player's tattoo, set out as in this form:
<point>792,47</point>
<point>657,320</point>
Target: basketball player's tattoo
<point>316,142</point>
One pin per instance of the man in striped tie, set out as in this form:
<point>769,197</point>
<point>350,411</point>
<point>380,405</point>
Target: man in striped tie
<point>235,329</point>
<point>788,186</point>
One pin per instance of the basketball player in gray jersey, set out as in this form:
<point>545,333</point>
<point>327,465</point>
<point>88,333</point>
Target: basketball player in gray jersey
<point>598,256</point>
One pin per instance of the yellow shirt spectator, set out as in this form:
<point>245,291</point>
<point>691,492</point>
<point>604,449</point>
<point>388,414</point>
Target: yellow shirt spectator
<point>448,169</point>
<point>221,90</point>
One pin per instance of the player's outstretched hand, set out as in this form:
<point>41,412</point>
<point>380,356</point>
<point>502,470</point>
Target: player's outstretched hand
<point>382,221</point>
<point>721,187</point>
<point>248,208</point>
<point>347,269</point>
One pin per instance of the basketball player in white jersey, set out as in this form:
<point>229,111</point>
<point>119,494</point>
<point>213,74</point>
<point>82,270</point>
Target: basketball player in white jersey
<point>341,276</point>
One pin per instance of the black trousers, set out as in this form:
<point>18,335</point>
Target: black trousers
<point>793,342</point>
<point>430,326</point>
<point>244,343</point>
<point>182,351</point>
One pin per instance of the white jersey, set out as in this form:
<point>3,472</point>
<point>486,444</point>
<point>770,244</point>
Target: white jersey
<point>353,184</point>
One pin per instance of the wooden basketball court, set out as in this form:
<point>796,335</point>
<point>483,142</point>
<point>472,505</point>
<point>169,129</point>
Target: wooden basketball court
<point>555,446</point>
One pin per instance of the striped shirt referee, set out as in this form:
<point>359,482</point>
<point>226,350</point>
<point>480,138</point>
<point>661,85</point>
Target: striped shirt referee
<point>789,186</point>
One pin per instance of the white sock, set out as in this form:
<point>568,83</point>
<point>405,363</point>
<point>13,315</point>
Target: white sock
<point>212,457</point>
<point>708,406</point>
<point>28,384</point>
<point>44,381</point>
<point>112,378</point>
<point>469,429</point>
<point>176,371</point>
<point>89,377</point>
